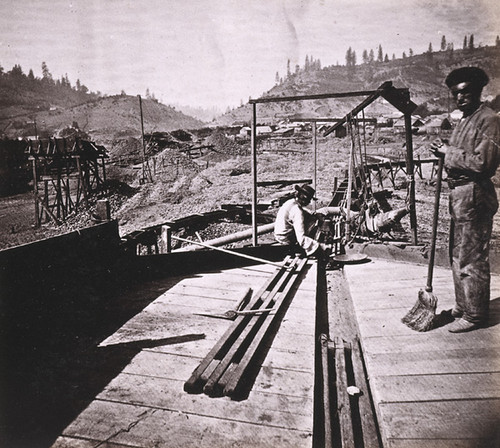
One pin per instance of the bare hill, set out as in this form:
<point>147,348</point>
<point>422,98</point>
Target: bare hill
<point>106,118</point>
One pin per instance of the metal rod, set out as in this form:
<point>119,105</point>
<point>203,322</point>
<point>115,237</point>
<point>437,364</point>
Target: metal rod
<point>237,254</point>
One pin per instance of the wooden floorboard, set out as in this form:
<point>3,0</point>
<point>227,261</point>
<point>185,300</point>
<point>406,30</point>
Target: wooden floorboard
<point>431,389</point>
<point>146,406</point>
<point>144,426</point>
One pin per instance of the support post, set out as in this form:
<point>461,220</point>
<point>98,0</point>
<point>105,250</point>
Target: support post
<point>315,158</point>
<point>166,238</point>
<point>38,218</point>
<point>254,173</point>
<point>411,175</point>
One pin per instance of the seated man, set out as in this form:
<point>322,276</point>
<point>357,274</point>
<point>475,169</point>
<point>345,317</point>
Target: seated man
<point>295,224</point>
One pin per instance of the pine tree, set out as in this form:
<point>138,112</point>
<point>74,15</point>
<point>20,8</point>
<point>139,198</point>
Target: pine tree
<point>365,57</point>
<point>404,55</point>
<point>465,42</point>
<point>386,58</point>
<point>277,79</point>
<point>497,41</point>
<point>46,75</point>
<point>348,57</point>
<point>471,42</point>
<point>371,56</point>
<point>380,55</point>
<point>430,48</point>
<point>306,64</point>
<point>410,52</point>
<point>288,72</point>
<point>443,43</point>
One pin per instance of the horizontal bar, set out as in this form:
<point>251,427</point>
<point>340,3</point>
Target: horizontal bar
<point>331,120</point>
<point>316,97</point>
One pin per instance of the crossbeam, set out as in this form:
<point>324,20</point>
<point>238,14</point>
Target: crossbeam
<point>319,96</point>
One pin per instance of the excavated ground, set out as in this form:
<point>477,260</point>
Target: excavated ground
<point>183,186</point>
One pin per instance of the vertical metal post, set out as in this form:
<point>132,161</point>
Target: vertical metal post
<point>254,172</point>
<point>315,159</point>
<point>411,175</point>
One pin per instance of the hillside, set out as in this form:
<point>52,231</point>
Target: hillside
<point>102,119</point>
<point>423,74</point>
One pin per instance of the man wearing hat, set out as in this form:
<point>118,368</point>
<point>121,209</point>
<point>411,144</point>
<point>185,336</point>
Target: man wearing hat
<point>471,158</point>
<point>294,222</point>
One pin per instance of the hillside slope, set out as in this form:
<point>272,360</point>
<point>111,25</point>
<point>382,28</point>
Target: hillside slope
<point>103,118</point>
<point>423,74</point>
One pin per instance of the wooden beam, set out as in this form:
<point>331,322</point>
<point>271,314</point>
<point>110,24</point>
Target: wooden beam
<point>373,96</point>
<point>316,97</point>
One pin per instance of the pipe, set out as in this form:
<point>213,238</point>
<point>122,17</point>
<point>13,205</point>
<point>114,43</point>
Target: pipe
<point>233,237</point>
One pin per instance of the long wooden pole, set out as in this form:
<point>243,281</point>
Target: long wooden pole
<point>315,158</point>
<point>220,249</point>
<point>411,174</point>
<point>254,172</point>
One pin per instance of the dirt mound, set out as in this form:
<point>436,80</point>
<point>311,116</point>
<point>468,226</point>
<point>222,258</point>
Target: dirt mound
<point>225,145</point>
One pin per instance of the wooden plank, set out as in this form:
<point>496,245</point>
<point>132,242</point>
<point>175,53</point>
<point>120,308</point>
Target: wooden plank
<point>458,386</point>
<point>162,365</point>
<point>343,402</point>
<point>188,292</point>
<point>166,394</point>
<point>70,442</point>
<point>369,426</point>
<point>461,419</point>
<point>294,343</point>
<point>140,426</point>
<point>434,340</point>
<point>154,324</point>
<point>480,360</point>
<point>436,443</point>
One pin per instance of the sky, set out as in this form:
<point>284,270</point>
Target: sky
<point>220,53</point>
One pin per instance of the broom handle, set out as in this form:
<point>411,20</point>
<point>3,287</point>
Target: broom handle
<point>432,254</point>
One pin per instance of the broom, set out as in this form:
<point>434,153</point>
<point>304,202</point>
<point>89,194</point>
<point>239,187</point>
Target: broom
<point>422,316</point>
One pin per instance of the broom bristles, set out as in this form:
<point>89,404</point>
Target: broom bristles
<point>421,317</point>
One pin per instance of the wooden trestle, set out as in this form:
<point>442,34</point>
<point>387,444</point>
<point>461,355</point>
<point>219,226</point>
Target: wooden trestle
<point>65,173</point>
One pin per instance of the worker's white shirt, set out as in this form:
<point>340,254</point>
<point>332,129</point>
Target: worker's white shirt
<point>290,227</point>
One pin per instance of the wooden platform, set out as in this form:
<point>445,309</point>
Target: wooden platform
<point>434,389</point>
<point>145,405</point>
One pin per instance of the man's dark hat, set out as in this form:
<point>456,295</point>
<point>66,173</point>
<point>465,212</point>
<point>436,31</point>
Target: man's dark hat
<point>474,75</point>
<point>307,190</point>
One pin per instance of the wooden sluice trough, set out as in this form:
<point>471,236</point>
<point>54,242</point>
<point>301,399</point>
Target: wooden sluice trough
<point>99,347</point>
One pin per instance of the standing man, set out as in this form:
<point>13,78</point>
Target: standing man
<point>470,159</point>
<point>294,223</point>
